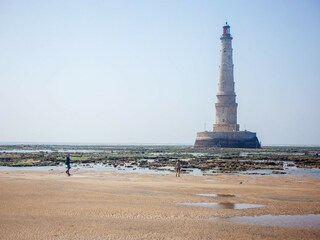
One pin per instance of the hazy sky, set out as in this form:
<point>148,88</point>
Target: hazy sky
<point>147,71</point>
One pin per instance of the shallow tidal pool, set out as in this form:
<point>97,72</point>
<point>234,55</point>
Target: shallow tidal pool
<point>303,221</point>
<point>225,205</point>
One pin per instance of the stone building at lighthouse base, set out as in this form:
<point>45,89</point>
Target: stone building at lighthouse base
<point>237,139</point>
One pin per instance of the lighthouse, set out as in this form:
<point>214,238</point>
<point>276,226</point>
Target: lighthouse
<point>226,131</point>
<point>226,106</point>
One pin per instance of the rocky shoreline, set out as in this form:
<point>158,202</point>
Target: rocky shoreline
<point>158,157</point>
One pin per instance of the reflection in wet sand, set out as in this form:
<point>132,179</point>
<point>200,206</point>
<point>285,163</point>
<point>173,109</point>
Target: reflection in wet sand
<point>308,220</point>
<point>225,205</point>
<point>215,195</point>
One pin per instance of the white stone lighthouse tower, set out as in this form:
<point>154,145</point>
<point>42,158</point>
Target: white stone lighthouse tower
<point>226,106</point>
<point>226,129</point>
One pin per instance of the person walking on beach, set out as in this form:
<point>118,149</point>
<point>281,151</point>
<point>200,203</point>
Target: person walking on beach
<point>178,168</point>
<point>68,164</point>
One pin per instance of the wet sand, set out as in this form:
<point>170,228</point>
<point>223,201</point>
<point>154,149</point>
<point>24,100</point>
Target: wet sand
<point>119,205</point>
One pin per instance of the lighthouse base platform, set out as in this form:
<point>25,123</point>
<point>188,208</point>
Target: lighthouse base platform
<point>238,139</point>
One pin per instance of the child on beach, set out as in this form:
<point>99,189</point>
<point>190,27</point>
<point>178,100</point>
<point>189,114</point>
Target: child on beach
<point>68,164</point>
<point>178,168</point>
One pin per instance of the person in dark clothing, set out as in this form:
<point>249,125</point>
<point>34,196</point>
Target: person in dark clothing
<point>68,164</point>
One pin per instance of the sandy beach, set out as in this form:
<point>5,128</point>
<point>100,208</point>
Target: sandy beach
<point>117,205</point>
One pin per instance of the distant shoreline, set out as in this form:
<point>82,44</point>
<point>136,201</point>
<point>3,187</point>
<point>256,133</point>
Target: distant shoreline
<point>4,143</point>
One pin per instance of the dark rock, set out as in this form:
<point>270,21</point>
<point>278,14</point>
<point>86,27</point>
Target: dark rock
<point>278,172</point>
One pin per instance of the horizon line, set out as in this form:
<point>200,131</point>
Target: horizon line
<point>3,143</point>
